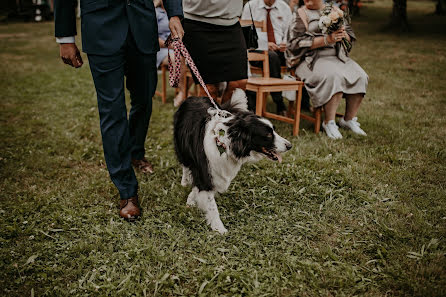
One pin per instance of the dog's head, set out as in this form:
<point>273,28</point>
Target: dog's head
<point>251,135</point>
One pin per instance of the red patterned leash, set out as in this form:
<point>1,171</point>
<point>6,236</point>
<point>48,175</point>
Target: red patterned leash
<point>175,69</point>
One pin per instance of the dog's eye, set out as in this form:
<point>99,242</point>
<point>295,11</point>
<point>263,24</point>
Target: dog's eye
<point>269,135</point>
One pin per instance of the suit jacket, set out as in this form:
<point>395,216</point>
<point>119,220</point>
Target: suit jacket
<point>105,23</point>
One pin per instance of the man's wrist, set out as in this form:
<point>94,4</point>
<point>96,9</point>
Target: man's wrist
<point>68,39</point>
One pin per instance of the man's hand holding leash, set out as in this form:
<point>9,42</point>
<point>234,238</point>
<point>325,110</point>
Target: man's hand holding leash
<point>176,29</point>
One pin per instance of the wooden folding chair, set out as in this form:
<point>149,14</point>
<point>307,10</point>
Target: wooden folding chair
<point>265,84</point>
<point>188,78</point>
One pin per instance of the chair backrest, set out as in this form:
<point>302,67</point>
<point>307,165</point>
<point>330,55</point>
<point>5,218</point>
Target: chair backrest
<point>258,24</point>
<point>253,55</point>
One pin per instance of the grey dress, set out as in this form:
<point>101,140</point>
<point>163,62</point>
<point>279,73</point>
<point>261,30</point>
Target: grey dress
<point>326,70</point>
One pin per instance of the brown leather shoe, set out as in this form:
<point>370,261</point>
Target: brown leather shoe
<point>143,165</point>
<point>129,209</point>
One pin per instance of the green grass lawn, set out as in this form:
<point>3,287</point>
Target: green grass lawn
<point>361,216</point>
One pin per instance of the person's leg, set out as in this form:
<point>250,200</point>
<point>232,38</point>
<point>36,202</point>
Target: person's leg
<point>350,121</point>
<point>250,94</point>
<point>353,101</point>
<point>141,82</point>
<point>251,100</point>
<point>305,104</point>
<point>274,64</point>
<point>329,124</point>
<point>212,88</point>
<point>331,106</point>
<point>108,77</point>
<point>274,71</point>
<point>232,85</point>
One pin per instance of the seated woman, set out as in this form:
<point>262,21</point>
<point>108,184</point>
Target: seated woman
<point>161,56</point>
<point>324,66</point>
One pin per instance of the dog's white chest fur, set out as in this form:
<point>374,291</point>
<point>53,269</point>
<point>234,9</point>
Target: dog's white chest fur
<point>222,166</point>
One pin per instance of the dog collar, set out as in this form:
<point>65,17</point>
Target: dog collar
<point>220,146</point>
<point>221,137</point>
<point>219,113</point>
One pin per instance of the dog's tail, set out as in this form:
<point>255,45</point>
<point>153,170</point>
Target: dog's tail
<point>238,101</point>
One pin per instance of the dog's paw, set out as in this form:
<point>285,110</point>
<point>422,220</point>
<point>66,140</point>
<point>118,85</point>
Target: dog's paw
<point>190,203</point>
<point>186,179</point>
<point>222,230</point>
<point>218,226</point>
<point>191,198</point>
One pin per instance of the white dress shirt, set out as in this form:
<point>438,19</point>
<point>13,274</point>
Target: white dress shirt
<point>280,16</point>
<point>68,39</point>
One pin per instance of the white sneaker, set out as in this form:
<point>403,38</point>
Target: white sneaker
<point>352,125</point>
<point>332,130</point>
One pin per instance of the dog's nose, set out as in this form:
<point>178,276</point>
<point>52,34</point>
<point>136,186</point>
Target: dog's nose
<point>288,146</point>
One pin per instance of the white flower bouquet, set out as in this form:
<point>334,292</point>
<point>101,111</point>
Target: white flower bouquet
<point>332,19</point>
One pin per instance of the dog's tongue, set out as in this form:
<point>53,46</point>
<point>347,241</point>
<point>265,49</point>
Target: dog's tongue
<point>271,154</point>
<point>278,156</point>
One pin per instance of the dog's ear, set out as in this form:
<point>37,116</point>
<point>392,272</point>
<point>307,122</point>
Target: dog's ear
<point>239,100</point>
<point>240,136</point>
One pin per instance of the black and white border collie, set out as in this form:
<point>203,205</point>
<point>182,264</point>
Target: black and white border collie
<point>212,145</point>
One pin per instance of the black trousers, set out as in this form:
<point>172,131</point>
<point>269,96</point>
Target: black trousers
<point>123,137</point>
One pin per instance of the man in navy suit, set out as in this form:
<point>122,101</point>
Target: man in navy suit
<point>120,38</point>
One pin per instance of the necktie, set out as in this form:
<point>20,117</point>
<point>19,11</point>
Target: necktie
<point>269,27</point>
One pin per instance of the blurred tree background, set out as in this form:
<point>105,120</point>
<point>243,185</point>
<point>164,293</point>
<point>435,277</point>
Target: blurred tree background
<point>36,10</point>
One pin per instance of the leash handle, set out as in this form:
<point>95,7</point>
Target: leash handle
<point>175,69</point>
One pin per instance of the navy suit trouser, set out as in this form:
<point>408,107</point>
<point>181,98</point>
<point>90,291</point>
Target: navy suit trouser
<point>123,137</point>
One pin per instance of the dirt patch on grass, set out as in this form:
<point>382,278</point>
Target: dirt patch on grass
<point>5,57</point>
<point>13,35</point>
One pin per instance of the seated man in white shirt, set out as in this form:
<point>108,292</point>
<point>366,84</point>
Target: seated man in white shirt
<point>277,15</point>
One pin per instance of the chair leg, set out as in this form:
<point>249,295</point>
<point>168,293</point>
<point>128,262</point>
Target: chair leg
<point>164,86</point>
<point>259,103</point>
<point>296,123</point>
<point>265,95</point>
<point>186,83</point>
<point>317,116</point>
